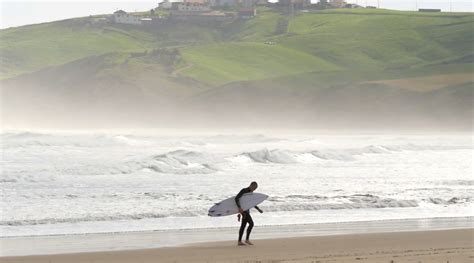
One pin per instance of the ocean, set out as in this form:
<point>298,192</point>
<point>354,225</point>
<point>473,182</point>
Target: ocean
<point>62,183</point>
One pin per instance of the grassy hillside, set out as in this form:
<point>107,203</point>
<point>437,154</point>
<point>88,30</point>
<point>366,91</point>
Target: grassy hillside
<point>358,40</point>
<point>34,47</point>
<point>29,48</point>
<point>338,68</point>
<point>218,64</point>
<point>381,39</point>
<point>216,54</point>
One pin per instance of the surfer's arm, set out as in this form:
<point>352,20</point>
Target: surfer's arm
<point>237,198</point>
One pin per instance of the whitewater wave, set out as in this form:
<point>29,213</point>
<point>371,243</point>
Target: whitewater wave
<point>117,217</point>
<point>348,154</point>
<point>271,156</point>
<point>458,182</point>
<point>351,154</point>
<point>174,162</point>
<point>317,202</point>
<point>8,180</point>
<point>450,201</point>
<point>182,162</point>
<point>384,203</point>
<point>287,157</point>
<point>357,201</point>
<point>288,203</point>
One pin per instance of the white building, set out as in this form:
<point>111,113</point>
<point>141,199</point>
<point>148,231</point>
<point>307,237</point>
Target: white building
<point>121,17</point>
<point>337,3</point>
<point>166,4</point>
<point>193,7</point>
<point>224,2</point>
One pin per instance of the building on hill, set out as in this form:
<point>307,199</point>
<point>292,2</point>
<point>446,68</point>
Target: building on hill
<point>352,6</point>
<point>202,2</point>
<point>247,13</point>
<point>298,4</point>
<point>193,7</point>
<point>196,17</point>
<point>166,4</point>
<point>174,5</point>
<point>122,17</point>
<point>146,21</point>
<point>337,3</point>
<point>216,16</point>
<point>242,3</point>
<point>429,10</point>
<point>223,3</point>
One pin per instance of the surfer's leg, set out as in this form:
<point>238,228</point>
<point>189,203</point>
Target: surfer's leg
<point>249,228</point>
<point>242,226</point>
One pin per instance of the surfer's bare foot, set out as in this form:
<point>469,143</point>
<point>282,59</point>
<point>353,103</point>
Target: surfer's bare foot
<point>241,243</point>
<point>248,242</point>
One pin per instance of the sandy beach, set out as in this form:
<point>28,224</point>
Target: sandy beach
<point>418,246</point>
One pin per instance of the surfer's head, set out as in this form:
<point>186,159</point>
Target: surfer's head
<point>253,186</point>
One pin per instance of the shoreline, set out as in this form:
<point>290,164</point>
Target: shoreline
<point>259,226</point>
<point>455,245</point>
<point>108,242</point>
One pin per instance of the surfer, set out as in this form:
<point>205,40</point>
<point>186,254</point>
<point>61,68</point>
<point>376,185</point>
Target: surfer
<point>246,218</point>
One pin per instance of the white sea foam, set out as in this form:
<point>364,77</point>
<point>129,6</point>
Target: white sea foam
<point>52,182</point>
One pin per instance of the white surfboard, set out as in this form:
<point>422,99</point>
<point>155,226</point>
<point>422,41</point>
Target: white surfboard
<point>229,207</point>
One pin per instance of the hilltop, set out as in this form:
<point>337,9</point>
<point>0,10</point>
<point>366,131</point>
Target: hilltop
<point>340,68</point>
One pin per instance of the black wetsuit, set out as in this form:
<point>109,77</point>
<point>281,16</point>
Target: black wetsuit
<point>246,218</point>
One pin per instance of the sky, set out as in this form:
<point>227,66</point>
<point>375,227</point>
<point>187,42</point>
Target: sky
<point>20,12</point>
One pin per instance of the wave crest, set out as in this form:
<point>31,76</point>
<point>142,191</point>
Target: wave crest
<point>271,156</point>
<point>182,162</point>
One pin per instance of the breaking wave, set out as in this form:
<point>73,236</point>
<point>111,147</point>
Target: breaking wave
<point>45,221</point>
<point>274,204</point>
<point>182,162</point>
<point>294,202</point>
<point>458,182</point>
<point>384,203</point>
<point>349,154</point>
<point>451,201</point>
<point>357,201</point>
<point>316,202</point>
<point>174,162</point>
<point>271,156</point>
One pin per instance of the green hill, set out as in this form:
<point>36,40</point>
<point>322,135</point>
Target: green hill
<point>293,60</point>
<point>232,51</point>
<point>222,63</point>
<point>29,48</point>
<point>349,40</point>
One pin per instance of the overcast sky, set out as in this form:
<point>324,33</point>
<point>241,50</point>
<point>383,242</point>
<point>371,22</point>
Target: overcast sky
<point>19,12</point>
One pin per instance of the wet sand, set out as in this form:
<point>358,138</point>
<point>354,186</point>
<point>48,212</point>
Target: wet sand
<point>417,246</point>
